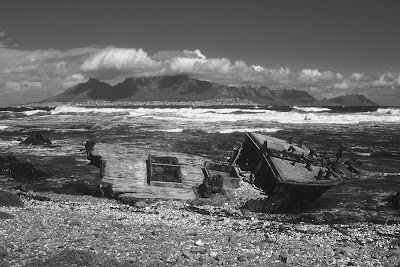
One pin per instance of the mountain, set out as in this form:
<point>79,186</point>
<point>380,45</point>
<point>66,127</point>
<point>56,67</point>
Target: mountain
<point>83,92</point>
<point>178,88</point>
<point>352,100</point>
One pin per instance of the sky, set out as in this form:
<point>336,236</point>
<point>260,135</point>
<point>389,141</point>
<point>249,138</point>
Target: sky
<point>327,48</point>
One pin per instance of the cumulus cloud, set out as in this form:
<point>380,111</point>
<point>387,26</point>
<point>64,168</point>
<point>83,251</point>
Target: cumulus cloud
<point>73,80</point>
<point>22,86</point>
<point>30,75</point>
<point>113,62</point>
<point>35,74</point>
<point>165,55</point>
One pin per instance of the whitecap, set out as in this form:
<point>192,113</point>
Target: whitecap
<point>234,115</point>
<point>73,109</point>
<point>389,111</point>
<point>363,154</point>
<point>311,109</point>
<point>175,130</point>
<point>243,130</point>
<point>33,112</point>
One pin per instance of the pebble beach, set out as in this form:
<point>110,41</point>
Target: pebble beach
<point>349,225</point>
<point>66,230</point>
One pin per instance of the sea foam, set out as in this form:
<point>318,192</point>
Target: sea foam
<point>389,111</point>
<point>243,130</point>
<point>33,112</point>
<point>72,109</point>
<point>305,115</point>
<point>312,109</point>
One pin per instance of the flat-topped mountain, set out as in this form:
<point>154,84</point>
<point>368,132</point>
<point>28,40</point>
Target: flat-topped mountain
<point>179,88</point>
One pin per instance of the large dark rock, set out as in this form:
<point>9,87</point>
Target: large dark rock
<point>394,201</point>
<point>80,187</point>
<point>9,199</point>
<point>20,170</point>
<point>37,139</point>
<point>6,216</point>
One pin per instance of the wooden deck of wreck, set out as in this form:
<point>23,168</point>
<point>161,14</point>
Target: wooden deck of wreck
<point>126,171</point>
<point>293,172</point>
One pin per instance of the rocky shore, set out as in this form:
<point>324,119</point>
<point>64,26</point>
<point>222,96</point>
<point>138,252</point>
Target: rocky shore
<point>50,229</point>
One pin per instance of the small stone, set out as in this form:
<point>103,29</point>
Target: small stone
<point>251,256</point>
<point>199,250</point>
<point>3,263</point>
<point>283,257</point>
<point>213,254</point>
<point>232,239</point>
<point>291,260</point>
<point>347,251</point>
<point>199,242</point>
<point>155,233</point>
<point>6,216</point>
<point>170,260</point>
<point>3,252</point>
<point>242,258</point>
<point>140,204</point>
<point>274,257</point>
<point>186,254</point>
<point>201,259</point>
<point>75,223</point>
<point>10,245</point>
<point>131,259</point>
<point>119,225</point>
<point>192,233</point>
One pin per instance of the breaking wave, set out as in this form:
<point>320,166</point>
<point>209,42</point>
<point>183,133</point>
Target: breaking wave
<point>235,130</point>
<point>311,109</point>
<point>33,112</point>
<point>389,111</point>
<point>72,109</point>
<point>299,115</point>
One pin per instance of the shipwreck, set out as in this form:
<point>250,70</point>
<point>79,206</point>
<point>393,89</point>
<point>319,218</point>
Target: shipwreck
<point>291,175</point>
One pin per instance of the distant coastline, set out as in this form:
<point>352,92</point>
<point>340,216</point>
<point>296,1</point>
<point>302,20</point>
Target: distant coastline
<point>181,90</point>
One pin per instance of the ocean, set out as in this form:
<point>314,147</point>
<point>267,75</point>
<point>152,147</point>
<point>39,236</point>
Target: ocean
<point>369,133</point>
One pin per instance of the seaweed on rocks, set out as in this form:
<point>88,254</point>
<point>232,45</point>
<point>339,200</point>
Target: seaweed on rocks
<point>37,139</point>
<point>5,216</point>
<point>20,171</point>
<point>9,199</point>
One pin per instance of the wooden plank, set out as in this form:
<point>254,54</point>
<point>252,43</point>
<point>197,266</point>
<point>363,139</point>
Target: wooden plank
<point>127,172</point>
<point>279,144</point>
<point>298,173</point>
<point>149,169</point>
<point>166,184</point>
<point>163,164</point>
<point>162,194</point>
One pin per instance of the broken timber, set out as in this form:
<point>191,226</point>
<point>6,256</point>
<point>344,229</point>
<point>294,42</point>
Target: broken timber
<point>127,173</point>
